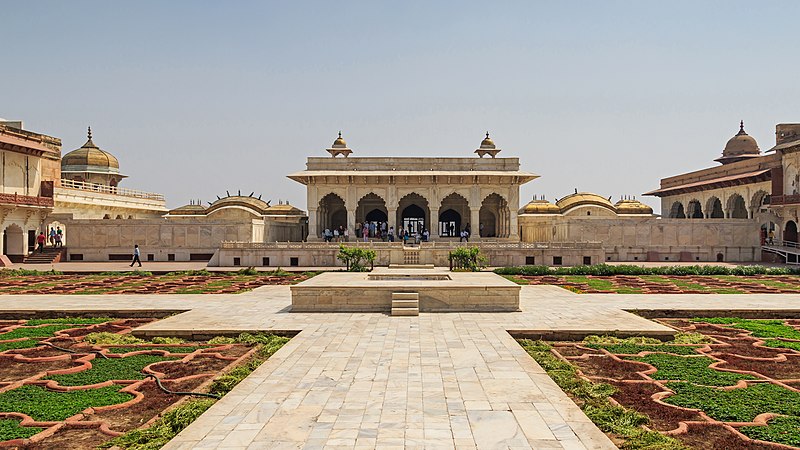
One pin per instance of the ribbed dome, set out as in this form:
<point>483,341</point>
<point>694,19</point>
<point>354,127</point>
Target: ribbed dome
<point>90,158</point>
<point>539,207</point>
<point>740,147</point>
<point>630,206</point>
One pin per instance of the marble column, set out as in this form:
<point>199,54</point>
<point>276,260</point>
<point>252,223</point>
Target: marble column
<point>433,226</point>
<point>351,221</point>
<point>313,227</point>
<point>474,222</point>
<point>392,217</point>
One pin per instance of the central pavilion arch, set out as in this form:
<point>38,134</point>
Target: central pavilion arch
<point>371,209</point>
<point>453,215</point>
<point>414,213</point>
<point>494,217</point>
<point>331,212</point>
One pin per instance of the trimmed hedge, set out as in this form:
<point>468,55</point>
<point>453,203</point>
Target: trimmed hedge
<point>609,270</point>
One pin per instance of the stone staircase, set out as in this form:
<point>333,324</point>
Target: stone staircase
<point>49,256</point>
<point>405,304</point>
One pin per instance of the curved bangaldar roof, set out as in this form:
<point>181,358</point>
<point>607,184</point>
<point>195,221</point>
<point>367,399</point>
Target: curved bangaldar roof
<point>632,206</point>
<point>255,204</point>
<point>584,198</point>
<point>540,206</point>
<point>191,209</point>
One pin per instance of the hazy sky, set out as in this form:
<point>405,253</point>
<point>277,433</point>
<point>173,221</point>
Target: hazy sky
<point>196,98</point>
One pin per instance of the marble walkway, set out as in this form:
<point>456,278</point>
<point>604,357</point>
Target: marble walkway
<point>441,380</point>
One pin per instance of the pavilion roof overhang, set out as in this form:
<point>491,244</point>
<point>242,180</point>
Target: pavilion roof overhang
<point>26,146</point>
<point>714,183</point>
<point>403,176</point>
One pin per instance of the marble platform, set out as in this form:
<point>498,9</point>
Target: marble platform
<point>439,291</point>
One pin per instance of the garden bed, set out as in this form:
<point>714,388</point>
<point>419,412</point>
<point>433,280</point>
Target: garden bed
<point>100,387</point>
<point>724,383</point>
<point>194,282</point>
<point>667,284</point>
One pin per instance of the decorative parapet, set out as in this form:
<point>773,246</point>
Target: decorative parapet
<point>423,245</point>
<point>114,190</point>
<point>26,200</point>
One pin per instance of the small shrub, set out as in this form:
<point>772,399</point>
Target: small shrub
<point>106,338</point>
<point>467,258</point>
<point>247,271</point>
<point>356,259</point>
<point>222,340</point>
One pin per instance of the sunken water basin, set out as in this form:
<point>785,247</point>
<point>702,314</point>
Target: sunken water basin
<point>439,291</point>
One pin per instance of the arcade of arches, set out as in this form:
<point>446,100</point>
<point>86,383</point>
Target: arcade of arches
<point>415,213</point>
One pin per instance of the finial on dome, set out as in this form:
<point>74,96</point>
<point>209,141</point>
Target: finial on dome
<point>487,147</point>
<point>339,147</point>
<point>89,133</point>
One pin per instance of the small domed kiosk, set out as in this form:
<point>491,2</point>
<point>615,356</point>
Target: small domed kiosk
<point>91,164</point>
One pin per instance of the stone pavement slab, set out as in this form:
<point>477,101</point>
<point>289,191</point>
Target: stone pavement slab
<point>370,380</point>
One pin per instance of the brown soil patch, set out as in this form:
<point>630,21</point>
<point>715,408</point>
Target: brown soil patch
<point>155,401</point>
<point>11,370</point>
<point>638,396</point>
<point>743,346</point>
<point>718,437</point>
<point>607,367</point>
<point>779,370</point>
<point>197,365</point>
<point>72,438</point>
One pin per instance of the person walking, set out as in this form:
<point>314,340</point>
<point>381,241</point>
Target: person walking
<point>391,234</point>
<point>41,239</point>
<point>58,241</point>
<point>52,236</point>
<point>59,236</point>
<point>771,237</point>
<point>136,256</point>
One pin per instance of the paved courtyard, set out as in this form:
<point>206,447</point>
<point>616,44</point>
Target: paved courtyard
<point>440,380</point>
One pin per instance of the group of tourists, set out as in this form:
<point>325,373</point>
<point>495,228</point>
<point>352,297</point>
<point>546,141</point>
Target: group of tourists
<point>339,234</point>
<point>56,239</point>
<point>384,232</point>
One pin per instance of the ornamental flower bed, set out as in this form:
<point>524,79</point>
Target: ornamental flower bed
<point>79,383</point>
<point>724,383</point>
<point>668,284</point>
<point>200,282</point>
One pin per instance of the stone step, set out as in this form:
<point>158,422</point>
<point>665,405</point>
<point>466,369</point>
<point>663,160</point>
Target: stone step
<point>405,296</point>
<point>405,311</point>
<point>405,304</point>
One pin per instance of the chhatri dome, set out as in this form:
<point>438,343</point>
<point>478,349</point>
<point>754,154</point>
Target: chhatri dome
<point>742,146</point>
<point>92,164</point>
<point>540,206</point>
<point>339,147</point>
<point>487,147</point>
